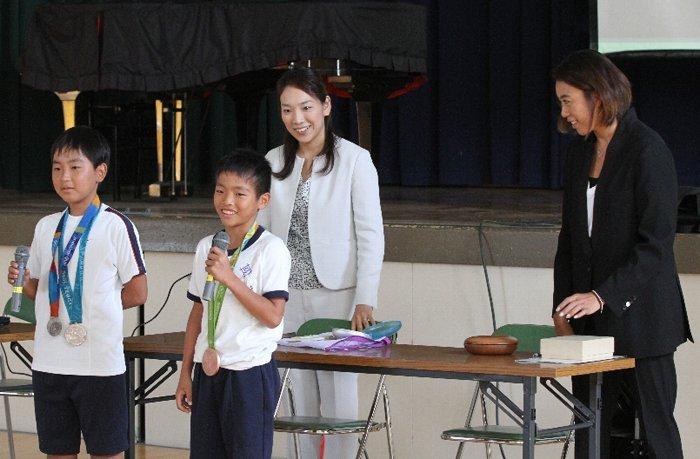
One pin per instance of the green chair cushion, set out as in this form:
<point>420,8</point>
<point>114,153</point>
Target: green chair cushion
<point>316,326</point>
<point>26,310</point>
<point>321,424</point>
<point>496,433</point>
<point>528,335</point>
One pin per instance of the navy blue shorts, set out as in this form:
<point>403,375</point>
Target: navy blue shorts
<point>66,405</point>
<point>233,413</point>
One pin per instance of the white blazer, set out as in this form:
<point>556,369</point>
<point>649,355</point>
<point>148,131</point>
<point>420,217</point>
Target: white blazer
<point>346,232</point>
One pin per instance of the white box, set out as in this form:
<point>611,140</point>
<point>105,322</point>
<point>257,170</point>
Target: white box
<point>577,347</point>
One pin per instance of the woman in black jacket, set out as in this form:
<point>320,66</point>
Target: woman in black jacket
<point>615,272</point>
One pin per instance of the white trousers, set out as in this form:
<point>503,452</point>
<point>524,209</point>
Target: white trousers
<point>322,393</point>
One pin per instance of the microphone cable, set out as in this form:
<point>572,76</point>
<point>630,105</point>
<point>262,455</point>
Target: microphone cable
<point>167,297</point>
<point>482,239</point>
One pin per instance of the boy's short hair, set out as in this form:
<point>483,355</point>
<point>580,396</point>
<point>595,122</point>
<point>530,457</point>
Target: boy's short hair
<point>86,140</point>
<point>247,163</point>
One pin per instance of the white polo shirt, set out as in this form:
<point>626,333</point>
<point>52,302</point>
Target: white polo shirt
<point>242,340</point>
<point>113,257</point>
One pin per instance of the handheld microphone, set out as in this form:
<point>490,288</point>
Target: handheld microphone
<point>221,241</point>
<point>21,257</point>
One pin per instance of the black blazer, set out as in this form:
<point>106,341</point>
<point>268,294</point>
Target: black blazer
<point>628,259</point>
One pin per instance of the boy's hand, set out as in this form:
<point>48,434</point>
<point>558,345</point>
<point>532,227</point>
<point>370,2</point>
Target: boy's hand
<point>13,274</point>
<point>362,318</point>
<point>218,266</point>
<point>183,394</point>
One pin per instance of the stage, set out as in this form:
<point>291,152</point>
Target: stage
<point>422,225</point>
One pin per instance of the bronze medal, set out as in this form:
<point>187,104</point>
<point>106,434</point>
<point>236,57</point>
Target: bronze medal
<point>75,334</point>
<point>54,326</point>
<point>211,361</point>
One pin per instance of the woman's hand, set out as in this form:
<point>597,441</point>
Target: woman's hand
<point>362,318</point>
<point>579,305</point>
<point>183,394</point>
<point>218,266</point>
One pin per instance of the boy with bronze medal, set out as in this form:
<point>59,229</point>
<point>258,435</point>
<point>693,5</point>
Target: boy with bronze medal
<point>229,343</point>
<point>85,267</point>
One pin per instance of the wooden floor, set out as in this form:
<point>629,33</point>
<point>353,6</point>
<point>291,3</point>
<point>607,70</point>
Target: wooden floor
<point>27,447</point>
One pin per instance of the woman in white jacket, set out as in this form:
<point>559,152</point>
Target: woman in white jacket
<point>324,203</point>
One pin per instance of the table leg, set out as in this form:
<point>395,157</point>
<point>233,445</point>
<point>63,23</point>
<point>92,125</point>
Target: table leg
<point>595,403</point>
<point>529,417</point>
<point>131,382</point>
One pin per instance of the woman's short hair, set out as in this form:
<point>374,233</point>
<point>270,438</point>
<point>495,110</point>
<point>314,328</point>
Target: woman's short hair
<point>595,75</point>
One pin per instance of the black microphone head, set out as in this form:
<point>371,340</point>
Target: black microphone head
<point>22,254</point>
<point>220,240</point>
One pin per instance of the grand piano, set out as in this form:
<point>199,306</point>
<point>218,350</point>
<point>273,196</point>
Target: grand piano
<point>168,54</point>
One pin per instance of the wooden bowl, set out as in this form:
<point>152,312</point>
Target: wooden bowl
<point>491,345</point>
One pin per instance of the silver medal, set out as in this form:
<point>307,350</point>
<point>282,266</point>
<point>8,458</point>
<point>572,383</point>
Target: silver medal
<point>75,334</point>
<point>54,326</point>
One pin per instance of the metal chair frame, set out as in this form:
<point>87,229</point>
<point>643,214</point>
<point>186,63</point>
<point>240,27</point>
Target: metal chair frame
<point>12,388</point>
<point>480,394</point>
<point>369,425</point>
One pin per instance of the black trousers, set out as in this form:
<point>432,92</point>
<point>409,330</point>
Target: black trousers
<point>653,388</point>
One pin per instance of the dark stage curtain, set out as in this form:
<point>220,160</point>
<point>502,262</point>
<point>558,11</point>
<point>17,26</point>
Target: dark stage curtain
<point>30,119</point>
<point>665,95</point>
<point>495,108</point>
<point>485,118</point>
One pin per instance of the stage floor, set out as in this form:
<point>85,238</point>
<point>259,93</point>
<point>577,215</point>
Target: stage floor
<point>516,227</point>
<point>400,205</point>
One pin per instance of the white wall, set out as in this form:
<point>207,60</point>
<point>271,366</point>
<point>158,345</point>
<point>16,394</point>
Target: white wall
<point>438,305</point>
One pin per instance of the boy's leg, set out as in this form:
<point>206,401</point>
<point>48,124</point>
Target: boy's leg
<point>247,411</point>
<point>206,440</point>
<point>102,408</point>
<point>57,423</point>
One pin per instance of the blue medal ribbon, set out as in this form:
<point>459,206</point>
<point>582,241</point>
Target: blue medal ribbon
<point>58,275</point>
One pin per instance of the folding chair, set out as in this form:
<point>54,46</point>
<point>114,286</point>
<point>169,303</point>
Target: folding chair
<point>317,425</point>
<point>529,337</point>
<point>14,387</point>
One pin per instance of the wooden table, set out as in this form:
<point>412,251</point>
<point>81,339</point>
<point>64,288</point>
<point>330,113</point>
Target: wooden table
<point>16,332</point>
<point>417,361</point>
<point>12,333</point>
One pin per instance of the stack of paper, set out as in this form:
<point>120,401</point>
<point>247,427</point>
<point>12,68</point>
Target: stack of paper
<point>580,348</point>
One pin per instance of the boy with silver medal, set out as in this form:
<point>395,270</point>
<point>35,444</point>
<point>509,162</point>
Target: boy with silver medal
<point>85,267</point>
